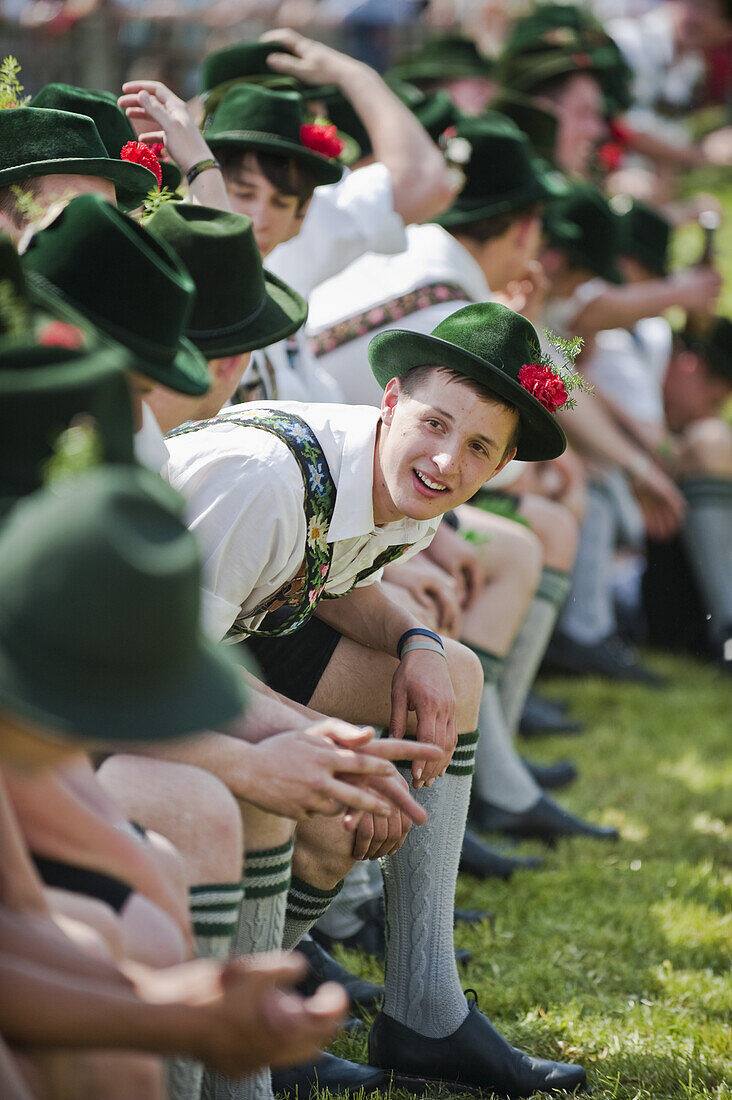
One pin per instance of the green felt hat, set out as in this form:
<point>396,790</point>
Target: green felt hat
<point>646,233</point>
<point>501,171</point>
<point>444,57</point>
<point>56,372</point>
<point>489,343</point>
<point>128,282</point>
<point>552,40</point>
<point>257,118</point>
<point>583,225</point>
<point>114,128</point>
<point>437,113</point>
<point>538,124</point>
<point>99,615</point>
<point>713,341</point>
<point>346,119</point>
<point>242,62</point>
<point>239,306</point>
<point>40,141</point>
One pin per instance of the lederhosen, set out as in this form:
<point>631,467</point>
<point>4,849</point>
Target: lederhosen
<point>292,647</point>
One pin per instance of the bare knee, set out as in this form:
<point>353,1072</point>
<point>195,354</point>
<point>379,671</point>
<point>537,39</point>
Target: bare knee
<point>150,936</point>
<point>119,1076</point>
<point>519,556</point>
<point>707,448</point>
<point>556,528</point>
<point>93,924</point>
<point>189,806</point>
<point>466,674</point>
<point>323,852</point>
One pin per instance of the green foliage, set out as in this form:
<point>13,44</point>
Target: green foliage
<point>568,350</point>
<point>154,199</point>
<point>27,203</point>
<point>10,86</point>
<point>618,955</point>
<point>14,312</point>
<point>78,448</point>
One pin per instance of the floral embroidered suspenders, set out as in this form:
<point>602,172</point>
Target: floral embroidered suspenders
<point>289,608</point>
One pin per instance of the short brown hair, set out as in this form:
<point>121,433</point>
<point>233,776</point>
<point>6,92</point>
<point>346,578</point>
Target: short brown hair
<point>413,378</point>
<point>488,229</point>
<point>286,174</point>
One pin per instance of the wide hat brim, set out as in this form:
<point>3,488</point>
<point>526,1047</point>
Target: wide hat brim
<point>548,184</point>
<point>440,69</point>
<point>186,372</point>
<point>210,691</point>
<point>283,313</point>
<point>132,181</point>
<point>324,171</point>
<point>394,353</point>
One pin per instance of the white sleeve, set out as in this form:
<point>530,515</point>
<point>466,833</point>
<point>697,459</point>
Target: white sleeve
<point>251,532</point>
<point>344,220</point>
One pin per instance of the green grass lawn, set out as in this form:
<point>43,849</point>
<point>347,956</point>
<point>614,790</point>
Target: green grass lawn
<point>618,955</point>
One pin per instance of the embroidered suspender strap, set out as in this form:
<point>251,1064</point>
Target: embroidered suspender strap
<point>290,607</point>
<point>384,558</point>
<point>431,294</point>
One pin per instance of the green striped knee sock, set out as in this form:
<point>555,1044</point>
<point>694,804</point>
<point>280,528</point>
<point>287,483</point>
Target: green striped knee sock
<point>305,905</point>
<point>501,777</point>
<point>421,982</point>
<point>522,663</point>
<point>214,909</point>
<point>261,923</point>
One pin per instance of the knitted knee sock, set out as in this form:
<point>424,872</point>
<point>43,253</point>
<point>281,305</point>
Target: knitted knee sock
<point>261,922</point>
<point>214,915</point>
<point>361,884</point>
<point>707,537</point>
<point>524,657</point>
<point>501,777</point>
<point>588,615</point>
<point>305,905</point>
<point>422,987</point>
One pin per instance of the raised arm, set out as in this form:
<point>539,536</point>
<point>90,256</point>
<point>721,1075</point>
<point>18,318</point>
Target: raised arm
<point>621,306</point>
<point>420,179</point>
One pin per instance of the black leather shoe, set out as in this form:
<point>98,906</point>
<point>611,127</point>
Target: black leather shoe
<point>323,967</point>
<point>612,658</point>
<point>552,777</point>
<point>329,1072</point>
<point>481,861</point>
<point>475,1057</point>
<point>545,821</point>
<point>541,716</point>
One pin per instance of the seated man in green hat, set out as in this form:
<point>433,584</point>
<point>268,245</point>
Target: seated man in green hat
<point>297,507</point>
<point>112,544</point>
<point>482,243</point>
<point>585,294</point>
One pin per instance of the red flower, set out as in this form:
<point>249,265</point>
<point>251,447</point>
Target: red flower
<point>321,138</point>
<point>157,148</point>
<point>59,334</point>
<point>138,153</point>
<point>610,155</point>
<point>546,386</point>
<point>621,132</point>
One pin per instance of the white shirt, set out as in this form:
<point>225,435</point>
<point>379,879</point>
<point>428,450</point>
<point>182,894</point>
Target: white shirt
<point>630,367</point>
<point>343,221</point>
<point>288,371</point>
<point>432,256</point>
<point>149,443</point>
<point>245,505</point>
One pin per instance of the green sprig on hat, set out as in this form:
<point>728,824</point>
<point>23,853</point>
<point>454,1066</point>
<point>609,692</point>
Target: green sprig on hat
<point>10,86</point>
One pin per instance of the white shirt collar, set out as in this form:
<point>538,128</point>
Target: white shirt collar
<point>353,514</point>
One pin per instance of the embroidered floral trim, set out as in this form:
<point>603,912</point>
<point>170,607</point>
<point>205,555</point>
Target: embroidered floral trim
<point>364,323</point>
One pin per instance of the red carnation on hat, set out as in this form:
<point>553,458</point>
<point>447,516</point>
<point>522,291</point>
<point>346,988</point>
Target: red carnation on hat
<point>611,155</point>
<point>59,334</point>
<point>322,138</point>
<point>546,386</point>
<point>138,153</point>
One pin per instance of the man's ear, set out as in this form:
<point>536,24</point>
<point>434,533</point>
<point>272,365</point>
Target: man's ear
<point>390,400</point>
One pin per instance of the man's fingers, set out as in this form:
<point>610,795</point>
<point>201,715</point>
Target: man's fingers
<point>132,87</point>
<point>357,798</point>
<point>398,720</point>
<point>396,749</point>
<point>401,797</point>
<point>360,763</point>
<point>362,838</point>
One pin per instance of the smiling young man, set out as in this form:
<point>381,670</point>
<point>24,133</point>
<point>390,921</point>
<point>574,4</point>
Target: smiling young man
<point>296,508</point>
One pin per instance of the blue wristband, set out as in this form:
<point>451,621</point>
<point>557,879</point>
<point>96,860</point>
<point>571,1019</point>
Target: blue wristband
<point>417,630</point>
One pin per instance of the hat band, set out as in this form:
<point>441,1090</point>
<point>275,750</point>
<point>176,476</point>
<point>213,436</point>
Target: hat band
<point>159,352</point>
<point>227,330</point>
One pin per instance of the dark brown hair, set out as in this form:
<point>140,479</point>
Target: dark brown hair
<point>488,229</point>
<point>285,174</point>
